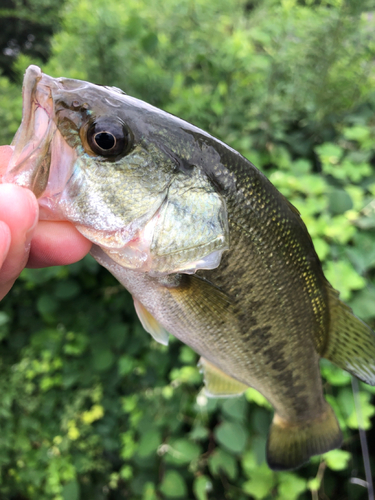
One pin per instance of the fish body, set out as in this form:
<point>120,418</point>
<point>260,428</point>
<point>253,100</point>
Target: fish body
<point>209,249</point>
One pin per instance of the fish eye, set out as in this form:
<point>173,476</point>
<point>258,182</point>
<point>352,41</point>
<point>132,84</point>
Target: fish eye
<point>108,137</point>
<point>105,140</point>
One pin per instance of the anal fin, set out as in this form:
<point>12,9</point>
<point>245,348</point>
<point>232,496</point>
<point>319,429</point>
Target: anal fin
<point>217,383</point>
<point>150,324</point>
<point>350,343</point>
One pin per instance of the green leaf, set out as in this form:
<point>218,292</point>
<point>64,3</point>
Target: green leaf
<point>102,360</point>
<point>47,305</point>
<point>249,462</point>
<point>339,201</point>
<point>221,461</point>
<point>235,408</point>
<point>71,491</point>
<point>4,318</point>
<point>201,486</point>
<point>334,375</point>
<point>321,247</point>
<point>362,253</point>
<point>149,443</point>
<point>337,459</point>
<point>367,410</point>
<point>357,133</point>
<point>186,375</point>
<point>125,365</point>
<point>329,152</point>
<point>363,303</point>
<point>345,402</point>
<point>314,484</point>
<point>34,277</point>
<point>66,289</point>
<point>149,42</point>
<point>361,257</point>
<point>344,278</point>
<point>149,492</point>
<point>258,398</point>
<point>258,445</point>
<point>187,355</point>
<point>233,436</point>
<point>76,344</point>
<point>199,433</point>
<point>181,452</point>
<point>173,485</point>
<point>291,486</point>
<point>261,483</point>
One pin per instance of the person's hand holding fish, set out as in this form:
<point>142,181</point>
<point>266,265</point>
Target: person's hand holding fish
<point>24,241</point>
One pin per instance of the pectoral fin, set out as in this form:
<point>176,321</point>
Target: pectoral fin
<point>351,343</point>
<point>150,324</point>
<point>217,383</point>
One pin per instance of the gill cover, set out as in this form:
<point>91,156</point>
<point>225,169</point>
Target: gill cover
<point>188,232</point>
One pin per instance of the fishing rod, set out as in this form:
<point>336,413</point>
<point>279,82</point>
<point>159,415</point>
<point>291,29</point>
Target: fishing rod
<point>362,436</point>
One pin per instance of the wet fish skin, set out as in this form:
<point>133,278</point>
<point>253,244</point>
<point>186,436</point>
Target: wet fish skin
<point>258,308</point>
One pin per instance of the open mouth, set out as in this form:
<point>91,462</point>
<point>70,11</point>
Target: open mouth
<point>30,162</point>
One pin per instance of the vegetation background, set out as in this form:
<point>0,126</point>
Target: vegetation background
<point>91,407</point>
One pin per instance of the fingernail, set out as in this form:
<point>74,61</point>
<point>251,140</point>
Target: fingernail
<point>4,242</point>
<point>34,207</point>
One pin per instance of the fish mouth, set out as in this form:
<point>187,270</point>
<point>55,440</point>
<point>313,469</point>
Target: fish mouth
<point>30,163</point>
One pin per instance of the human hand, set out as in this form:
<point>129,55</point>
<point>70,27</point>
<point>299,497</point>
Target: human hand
<point>25,241</point>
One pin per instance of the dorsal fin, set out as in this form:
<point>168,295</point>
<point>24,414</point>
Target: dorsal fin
<point>351,343</point>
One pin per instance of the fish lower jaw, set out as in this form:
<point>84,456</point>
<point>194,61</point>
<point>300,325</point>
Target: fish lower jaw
<point>48,212</point>
<point>136,251</point>
<point>142,260</point>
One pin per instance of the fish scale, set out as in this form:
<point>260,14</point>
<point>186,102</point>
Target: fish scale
<point>209,249</point>
<point>262,348</point>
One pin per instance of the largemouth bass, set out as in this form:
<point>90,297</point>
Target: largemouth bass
<point>209,249</point>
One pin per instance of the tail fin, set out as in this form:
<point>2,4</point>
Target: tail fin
<point>351,343</point>
<point>291,444</point>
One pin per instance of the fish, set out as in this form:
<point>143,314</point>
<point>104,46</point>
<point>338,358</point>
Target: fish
<point>209,249</point>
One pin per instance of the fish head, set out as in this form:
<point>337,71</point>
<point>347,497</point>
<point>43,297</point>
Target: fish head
<point>121,171</point>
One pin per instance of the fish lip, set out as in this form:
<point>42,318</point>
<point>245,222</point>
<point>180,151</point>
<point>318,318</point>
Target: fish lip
<point>29,164</point>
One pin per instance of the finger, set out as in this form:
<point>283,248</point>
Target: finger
<point>57,243</point>
<point>5,154</point>
<point>4,241</point>
<point>19,211</point>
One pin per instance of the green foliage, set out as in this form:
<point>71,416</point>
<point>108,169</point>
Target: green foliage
<point>26,28</point>
<point>232,436</point>
<point>173,485</point>
<point>91,406</point>
<point>10,110</point>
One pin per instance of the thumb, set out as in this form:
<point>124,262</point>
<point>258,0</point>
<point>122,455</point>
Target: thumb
<point>19,215</point>
<point>5,154</point>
